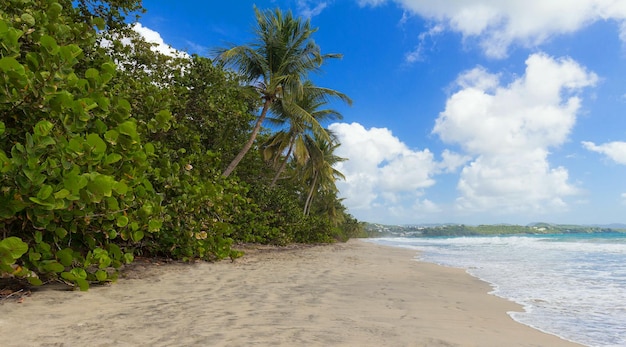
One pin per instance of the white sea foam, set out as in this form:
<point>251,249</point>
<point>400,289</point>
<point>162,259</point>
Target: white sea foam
<point>573,286</point>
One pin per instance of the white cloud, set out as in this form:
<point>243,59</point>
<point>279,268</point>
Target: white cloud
<point>418,53</point>
<point>154,37</point>
<point>498,24</point>
<point>371,2</point>
<point>615,151</point>
<point>307,11</point>
<point>509,130</point>
<point>478,78</point>
<point>383,174</point>
<point>452,161</point>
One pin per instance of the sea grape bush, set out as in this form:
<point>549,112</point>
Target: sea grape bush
<point>207,111</point>
<point>74,182</point>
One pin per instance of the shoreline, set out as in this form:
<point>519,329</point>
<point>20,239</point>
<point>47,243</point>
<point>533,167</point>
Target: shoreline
<point>352,294</point>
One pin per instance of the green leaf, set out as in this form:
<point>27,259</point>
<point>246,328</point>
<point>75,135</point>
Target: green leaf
<point>122,221</point>
<point>79,273</point>
<point>33,174</point>
<point>114,251</point>
<point>137,235</point>
<point>49,43</point>
<point>128,128</point>
<point>35,281</point>
<point>102,256</point>
<point>42,128</point>
<point>149,148</point>
<point>76,145</point>
<point>120,188</point>
<point>69,54</point>
<point>112,203</point>
<point>100,186</point>
<point>103,103</point>
<point>100,126</point>
<point>11,249</point>
<point>65,256</point>
<point>83,285</point>
<point>45,141</point>
<point>108,67</point>
<point>98,22</point>
<point>48,205</point>
<point>124,105</point>
<point>5,162</point>
<point>8,64</point>
<point>54,10</point>
<point>54,267</point>
<point>92,73</point>
<point>112,158</point>
<point>2,127</point>
<point>112,234</point>
<point>111,136</point>
<point>163,116</point>
<point>163,119</point>
<point>128,258</point>
<point>68,276</point>
<point>154,225</point>
<point>60,233</point>
<point>62,194</point>
<point>34,256</point>
<point>28,19</point>
<point>44,192</point>
<point>101,275</point>
<point>97,144</point>
<point>74,182</point>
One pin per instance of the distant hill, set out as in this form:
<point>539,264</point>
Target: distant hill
<point>379,230</point>
<point>615,226</point>
<point>604,226</point>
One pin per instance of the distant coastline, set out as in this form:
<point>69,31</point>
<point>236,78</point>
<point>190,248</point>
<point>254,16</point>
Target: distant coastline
<point>427,230</point>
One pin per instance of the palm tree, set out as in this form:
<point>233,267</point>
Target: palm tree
<point>319,171</point>
<point>277,62</point>
<point>303,116</point>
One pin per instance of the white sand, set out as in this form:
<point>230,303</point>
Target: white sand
<point>353,294</point>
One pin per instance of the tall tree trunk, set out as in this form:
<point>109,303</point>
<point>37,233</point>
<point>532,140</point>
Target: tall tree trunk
<point>250,141</point>
<point>283,164</point>
<point>307,205</point>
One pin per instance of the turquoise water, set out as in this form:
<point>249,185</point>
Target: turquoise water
<point>571,285</point>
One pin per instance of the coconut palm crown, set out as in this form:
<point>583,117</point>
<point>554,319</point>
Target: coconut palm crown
<point>277,63</point>
<point>303,117</point>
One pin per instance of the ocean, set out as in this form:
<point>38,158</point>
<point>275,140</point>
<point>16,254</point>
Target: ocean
<point>570,285</point>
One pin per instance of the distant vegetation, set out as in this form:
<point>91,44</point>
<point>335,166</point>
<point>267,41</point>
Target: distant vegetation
<point>380,230</point>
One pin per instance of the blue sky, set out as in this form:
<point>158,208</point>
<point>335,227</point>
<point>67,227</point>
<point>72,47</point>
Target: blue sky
<point>475,111</point>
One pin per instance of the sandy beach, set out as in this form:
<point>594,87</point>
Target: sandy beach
<point>352,294</point>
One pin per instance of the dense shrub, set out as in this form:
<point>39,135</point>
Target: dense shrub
<point>109,149</point>
<point>74,184</point>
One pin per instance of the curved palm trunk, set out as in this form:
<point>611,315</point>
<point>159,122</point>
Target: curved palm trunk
<point>283,164</point>
<point>309,199</point>
<point>248,145</point>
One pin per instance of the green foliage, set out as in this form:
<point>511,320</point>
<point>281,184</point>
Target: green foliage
<point>273,217</point>
<point>191,120</point>
<point>72,160</point>
<point>112,150</point>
